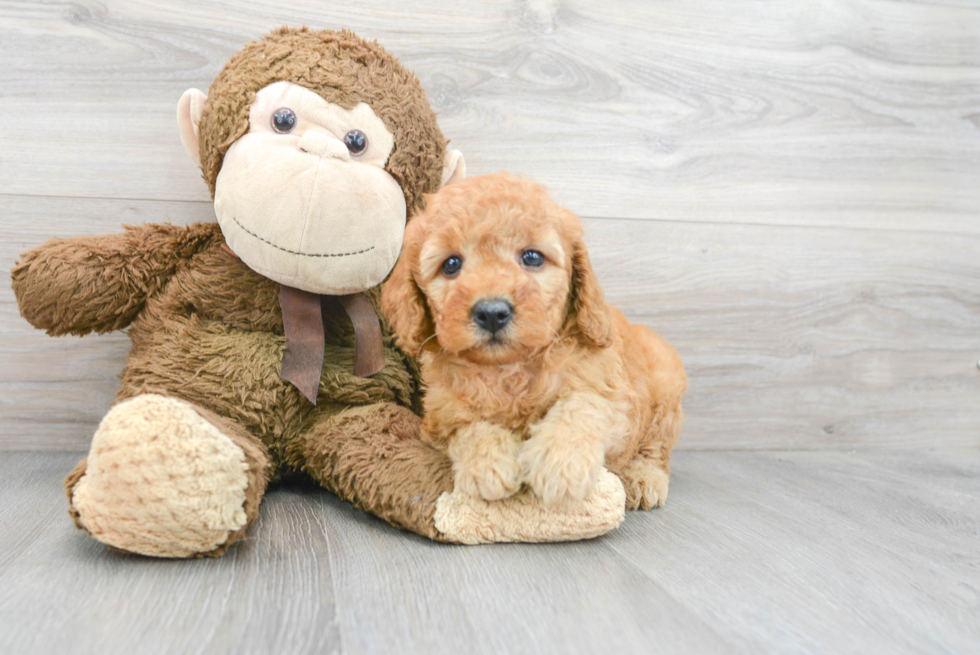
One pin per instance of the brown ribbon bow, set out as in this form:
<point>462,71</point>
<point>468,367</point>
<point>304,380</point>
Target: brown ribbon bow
<point>302,320</point>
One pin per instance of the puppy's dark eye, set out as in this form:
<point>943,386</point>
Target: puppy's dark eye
<point>452,265</point>
<point>532,259</point>
<point>284,120</point>
<point>356,141</point>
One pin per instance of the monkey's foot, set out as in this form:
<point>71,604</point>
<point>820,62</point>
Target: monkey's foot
<point>523,518</point>
<point>161,480</point>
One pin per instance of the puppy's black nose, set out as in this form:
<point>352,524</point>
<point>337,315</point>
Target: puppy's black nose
<point>492,314</point>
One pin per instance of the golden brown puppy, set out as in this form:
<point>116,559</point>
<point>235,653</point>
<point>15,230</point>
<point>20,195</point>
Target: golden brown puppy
<point>532,378</point>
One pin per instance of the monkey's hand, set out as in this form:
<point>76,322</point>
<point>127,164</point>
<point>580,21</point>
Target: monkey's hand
<point>100,284</point>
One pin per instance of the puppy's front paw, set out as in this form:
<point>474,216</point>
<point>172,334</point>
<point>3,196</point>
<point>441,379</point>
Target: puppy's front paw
<point>558,472</point>
<point>485,461</point>
<point>489,480</point>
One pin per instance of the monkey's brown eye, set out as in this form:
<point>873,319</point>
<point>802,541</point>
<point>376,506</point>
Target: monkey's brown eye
<point>356,142</point>
<point>532,259</point>
<point>452,265</point>
<point>284,120</point>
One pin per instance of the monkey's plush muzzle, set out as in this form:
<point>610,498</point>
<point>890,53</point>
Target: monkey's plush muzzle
<point>299,206</point>
<point>301,220</point>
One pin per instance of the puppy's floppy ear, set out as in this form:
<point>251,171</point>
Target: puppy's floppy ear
<point>401,298</point>
<point>588,304</point>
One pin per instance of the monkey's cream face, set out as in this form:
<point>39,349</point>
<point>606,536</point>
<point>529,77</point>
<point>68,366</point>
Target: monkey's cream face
<point>304,199</point>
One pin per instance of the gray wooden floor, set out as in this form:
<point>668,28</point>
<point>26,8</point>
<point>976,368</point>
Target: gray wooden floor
<point>787,190</point>
<point>756,552</point>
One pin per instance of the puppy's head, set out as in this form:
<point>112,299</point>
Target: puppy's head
<point>495,271</point>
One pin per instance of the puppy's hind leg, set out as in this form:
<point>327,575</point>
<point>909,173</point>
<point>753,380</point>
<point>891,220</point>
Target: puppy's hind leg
<point>646,477</point>
<point>646,480</point>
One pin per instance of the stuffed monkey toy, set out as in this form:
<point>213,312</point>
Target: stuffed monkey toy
<point>257,349</point>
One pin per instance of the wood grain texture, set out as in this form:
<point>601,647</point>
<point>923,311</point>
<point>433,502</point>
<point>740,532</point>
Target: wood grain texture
<point>793,337</point>
<point>765,552</point>
<point>787,190</point>
<point>822,552</point>
<point>789,112</point>
<point>66,593</point>
<point>807,337</point>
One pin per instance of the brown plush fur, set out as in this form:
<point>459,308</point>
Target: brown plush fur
<point>345,453</point>
<point>208,330</point>
<point>344,69</point>
<point>571,385</point>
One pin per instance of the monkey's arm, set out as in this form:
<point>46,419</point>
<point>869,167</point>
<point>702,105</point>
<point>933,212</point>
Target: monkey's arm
<point>99,284</point>
<point>372,456</point>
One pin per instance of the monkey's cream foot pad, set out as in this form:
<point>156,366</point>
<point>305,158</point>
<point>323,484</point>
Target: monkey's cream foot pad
<point>522,518</point>
<point>161,480</point>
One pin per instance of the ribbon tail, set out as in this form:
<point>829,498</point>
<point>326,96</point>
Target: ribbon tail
<point>369,351</point>
<point>302,362</point>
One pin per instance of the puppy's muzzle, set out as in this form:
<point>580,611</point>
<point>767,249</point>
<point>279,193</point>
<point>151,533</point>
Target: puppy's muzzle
<point>492,314</point>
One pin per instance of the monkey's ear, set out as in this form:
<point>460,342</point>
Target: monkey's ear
<point>453,167</point>
<point>189,110</point>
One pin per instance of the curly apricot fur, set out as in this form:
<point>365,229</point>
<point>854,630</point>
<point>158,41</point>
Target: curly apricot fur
<point>574,382</point>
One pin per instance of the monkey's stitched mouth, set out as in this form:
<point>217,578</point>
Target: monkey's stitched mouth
<point>296,252</point>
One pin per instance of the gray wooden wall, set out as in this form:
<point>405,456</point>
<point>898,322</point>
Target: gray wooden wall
<point>788,190</point>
